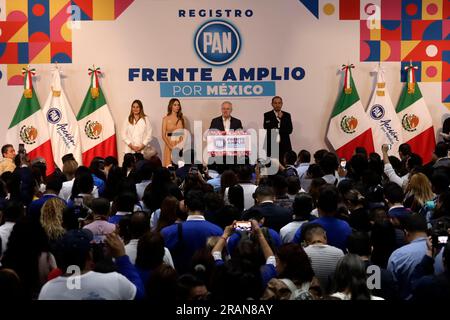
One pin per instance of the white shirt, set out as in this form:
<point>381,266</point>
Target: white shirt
<point>287,233</point>
<point>66,190</point>
<point>140,188</point>
<point>137,133</point>
<point>249,189</point>
<point>226,123</point>
<point>131,251</point>
<point>393,177</point>
<point>93,286</point>
<point>302,169</point>
<point>5,232</point>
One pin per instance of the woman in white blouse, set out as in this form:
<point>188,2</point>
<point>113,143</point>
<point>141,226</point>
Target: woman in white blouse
<point>137,130</point>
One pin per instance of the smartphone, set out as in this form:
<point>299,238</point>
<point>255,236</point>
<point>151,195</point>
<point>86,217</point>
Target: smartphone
<point>22,148</point>
<point>78,201</point>
<point>442,240</point>
<point>343,163</point>
<point>389,146</point>
<point>243,226</point>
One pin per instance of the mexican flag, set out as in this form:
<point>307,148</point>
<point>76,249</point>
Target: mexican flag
<point>61,122</point>
<point>29,127</point>
<point>415,118</point>
<point>349,126</point>
<point>98,136</point>
<point>386,127</point>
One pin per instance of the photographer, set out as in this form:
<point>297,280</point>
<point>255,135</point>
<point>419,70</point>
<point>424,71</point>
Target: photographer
<point>425,284</point>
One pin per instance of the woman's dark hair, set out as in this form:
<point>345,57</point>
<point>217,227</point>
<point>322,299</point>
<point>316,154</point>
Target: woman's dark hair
<point>129,161</point>
<point>150,251</point>
<point>236,196</point>
<point>350,274</point>
<point>97,165</point>
<point>114,183</point>
<point>83,183</point>
<point>168,216</point>
<point>25,245</point>
<point>297,266</point>
<point>162,285</point>
<point>160,187</point>
<point>228,179</point>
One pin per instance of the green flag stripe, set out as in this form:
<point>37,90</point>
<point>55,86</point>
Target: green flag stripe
<point>90,105</point>
<point>26,108</point>
<point>407,99</point>
<point>346,100</point>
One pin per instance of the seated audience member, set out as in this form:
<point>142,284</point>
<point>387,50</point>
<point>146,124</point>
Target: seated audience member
<point>293,187</point>
<point>75,249</point>
<point>12,212</point>
<point>329,164</point>
<point>253,265</point>
<point>403,260</point>
<point>183,239</point>
<point>52,219</point>
<point>324,257</point>
<point>397,213</point>
<point>295,279</point>
<point>304,158</point>
<point>337,230</point>
<point>275,217</point>
<point>359,215</point>
<point>350,280</point>
<point>191,288</point>
<point>139,226</point>
<point>124,205</point>
<point>359,243</point>
<point>245,181</point>
<point>11,287</point>
<point>70,167</point>
<point>280,188</point>
<point>100,227</point>
<point>303,205</point>
<point>52,190</point>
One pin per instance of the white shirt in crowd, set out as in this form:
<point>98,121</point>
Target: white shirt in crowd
<point>93,286</point>
<point>137,133</point>
<point>5,232</point>
<point>140,188</point>
<point>302,169</point>
<point>131,251</point>
<point>249,189</point>
<point>287,233</point>
<point>66,190</point>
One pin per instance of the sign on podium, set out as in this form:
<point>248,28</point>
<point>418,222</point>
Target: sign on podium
<point>232,143</point>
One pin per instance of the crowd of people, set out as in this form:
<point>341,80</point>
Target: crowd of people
<point>374,229</point>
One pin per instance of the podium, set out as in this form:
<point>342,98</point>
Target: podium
<point>232,143</point>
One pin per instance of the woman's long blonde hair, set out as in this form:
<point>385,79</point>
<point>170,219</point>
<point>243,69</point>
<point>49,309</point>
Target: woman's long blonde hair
<point>141,113</point>
<point>420,187</point>
<point>52,217</point>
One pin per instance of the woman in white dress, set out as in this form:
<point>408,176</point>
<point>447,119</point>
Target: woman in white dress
<point>137,130</point>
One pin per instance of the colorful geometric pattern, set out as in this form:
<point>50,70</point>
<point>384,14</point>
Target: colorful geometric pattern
<point>40,31</point>
<point>399,30</point>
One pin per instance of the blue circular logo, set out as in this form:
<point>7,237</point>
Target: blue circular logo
<point>377,112</point>
<point>220,143</point>
<point>54,115</point>
<point>217,42</point>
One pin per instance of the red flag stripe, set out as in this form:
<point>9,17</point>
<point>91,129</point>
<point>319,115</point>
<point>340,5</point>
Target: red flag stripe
<point>363,140</point>
<point>104,149</point>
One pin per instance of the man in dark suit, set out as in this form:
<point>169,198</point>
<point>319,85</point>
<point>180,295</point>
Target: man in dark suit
<point>281,121</point>
<point>275,217</point>
<point>226,122</point>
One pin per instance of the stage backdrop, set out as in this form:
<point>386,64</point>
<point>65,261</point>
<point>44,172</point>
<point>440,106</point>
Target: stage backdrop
<point>245,51</point>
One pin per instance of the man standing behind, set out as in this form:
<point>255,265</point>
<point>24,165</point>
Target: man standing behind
<point>226,122</point>
<point>280,120</point>
<point>7,164</point>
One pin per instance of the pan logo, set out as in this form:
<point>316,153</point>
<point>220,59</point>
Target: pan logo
<point>217,42</point>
